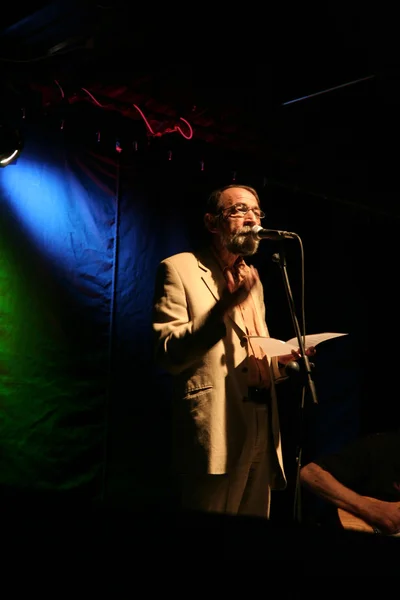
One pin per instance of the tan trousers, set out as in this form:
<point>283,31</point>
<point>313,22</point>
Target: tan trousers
<point>244,491</point>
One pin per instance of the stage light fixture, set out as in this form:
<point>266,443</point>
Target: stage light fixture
<point>10,144</point>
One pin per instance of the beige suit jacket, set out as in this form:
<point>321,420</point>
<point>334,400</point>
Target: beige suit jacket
<point>208,359</point>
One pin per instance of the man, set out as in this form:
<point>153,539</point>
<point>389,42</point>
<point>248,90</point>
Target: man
<point>360,480</point>
<point>226,437</point>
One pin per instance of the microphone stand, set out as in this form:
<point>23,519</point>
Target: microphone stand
<point>305,370</point>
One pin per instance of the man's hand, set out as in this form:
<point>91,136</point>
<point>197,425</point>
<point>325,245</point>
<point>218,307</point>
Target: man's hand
<point>236,293</point>
<point>295,355</point>
<point>384,515</point>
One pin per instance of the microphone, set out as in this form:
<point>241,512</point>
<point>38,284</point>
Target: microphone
<point>271,234</point>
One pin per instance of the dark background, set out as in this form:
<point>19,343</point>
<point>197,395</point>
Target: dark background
<point>302,107</point>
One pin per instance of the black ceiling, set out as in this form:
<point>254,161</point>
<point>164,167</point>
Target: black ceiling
<point>315,94</point>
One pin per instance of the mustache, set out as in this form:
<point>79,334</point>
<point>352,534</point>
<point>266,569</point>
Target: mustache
<point>246,230</point>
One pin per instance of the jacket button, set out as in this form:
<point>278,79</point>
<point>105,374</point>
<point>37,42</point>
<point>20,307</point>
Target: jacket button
<point>244,370</point>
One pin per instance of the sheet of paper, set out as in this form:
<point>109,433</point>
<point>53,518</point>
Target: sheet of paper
<point>274,347</point>
<point>316,338</point>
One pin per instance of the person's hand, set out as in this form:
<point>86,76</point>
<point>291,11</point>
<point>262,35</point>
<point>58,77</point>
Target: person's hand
<point>236,293</point>
<point>384,515</point>
<point>284,359</point>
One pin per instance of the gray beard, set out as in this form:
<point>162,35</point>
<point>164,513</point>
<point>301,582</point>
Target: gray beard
<point>242,243</point>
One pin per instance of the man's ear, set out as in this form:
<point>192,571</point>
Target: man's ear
<point>210,222</point>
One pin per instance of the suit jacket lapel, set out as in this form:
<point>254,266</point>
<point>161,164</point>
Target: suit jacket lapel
<point>214,279</point>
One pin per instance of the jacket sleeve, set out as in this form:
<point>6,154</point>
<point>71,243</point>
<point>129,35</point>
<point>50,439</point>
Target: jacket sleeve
<point>278,371</point>
<point>180,338</point>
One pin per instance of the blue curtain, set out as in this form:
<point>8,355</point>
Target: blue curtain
<point>83,409</point>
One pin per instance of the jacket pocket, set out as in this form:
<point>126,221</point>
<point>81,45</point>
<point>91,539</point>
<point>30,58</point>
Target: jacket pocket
<point>197,391</point>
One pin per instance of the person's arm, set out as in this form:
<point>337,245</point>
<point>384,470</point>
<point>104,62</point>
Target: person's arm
<point>384,516</point>
<point>181,339</point>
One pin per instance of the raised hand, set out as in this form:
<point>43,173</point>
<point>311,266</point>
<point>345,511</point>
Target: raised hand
<point>236,292</point>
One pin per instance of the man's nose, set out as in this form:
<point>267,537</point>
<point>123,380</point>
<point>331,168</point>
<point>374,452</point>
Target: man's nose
<point>250,218</point>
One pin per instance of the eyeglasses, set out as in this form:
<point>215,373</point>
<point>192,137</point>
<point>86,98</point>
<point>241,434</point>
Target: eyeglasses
<point>241,210</point>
